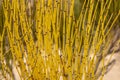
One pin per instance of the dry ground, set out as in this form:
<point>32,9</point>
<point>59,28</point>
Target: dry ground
<point>114,73</point>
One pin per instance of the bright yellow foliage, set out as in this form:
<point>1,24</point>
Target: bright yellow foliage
<point>65,48</point>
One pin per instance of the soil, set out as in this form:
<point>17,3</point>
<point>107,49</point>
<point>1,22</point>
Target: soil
<point>114,72</point>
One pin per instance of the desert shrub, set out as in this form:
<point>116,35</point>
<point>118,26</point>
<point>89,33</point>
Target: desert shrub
<point>50,41</point>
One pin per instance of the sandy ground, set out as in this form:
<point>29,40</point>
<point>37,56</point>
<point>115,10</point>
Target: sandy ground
<point>114,73</point>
